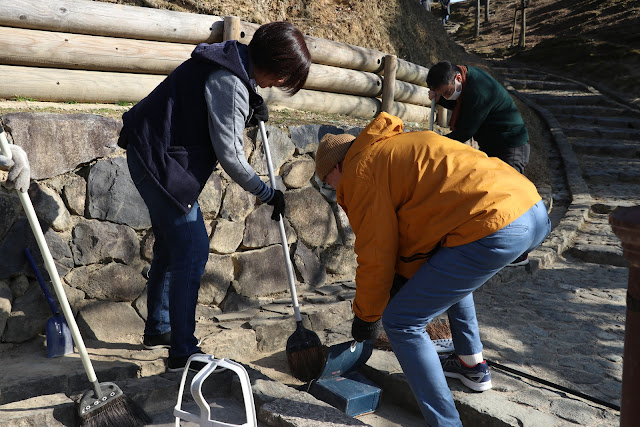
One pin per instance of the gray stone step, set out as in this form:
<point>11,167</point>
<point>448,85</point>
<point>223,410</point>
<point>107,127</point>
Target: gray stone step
<point>606,147</point>
<point>596,242</point>
<point>595,120</point>
<point>545,85</point>
<point>577,130</point>
<point>598,110</point>
<point>557,98</point>
<point>611,170</point>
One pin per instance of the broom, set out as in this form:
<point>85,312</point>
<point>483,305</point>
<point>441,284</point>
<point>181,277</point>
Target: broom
<point>105,405</point>
<point>306,355</point>
<point>438,329</point>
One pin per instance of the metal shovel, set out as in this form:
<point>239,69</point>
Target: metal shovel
<point>59,339</point>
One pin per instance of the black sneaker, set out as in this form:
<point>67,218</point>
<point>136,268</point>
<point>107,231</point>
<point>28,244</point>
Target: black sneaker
<point>521,260</point>
<point>477,378</point>
<point>177,364</point>
<point>151,342</point>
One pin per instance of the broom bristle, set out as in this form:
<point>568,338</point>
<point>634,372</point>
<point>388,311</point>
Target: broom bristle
<point>307,364</point>
<point>119,412</point>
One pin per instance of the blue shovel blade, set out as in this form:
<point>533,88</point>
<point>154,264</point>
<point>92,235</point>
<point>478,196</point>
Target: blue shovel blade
<point>59,339</point>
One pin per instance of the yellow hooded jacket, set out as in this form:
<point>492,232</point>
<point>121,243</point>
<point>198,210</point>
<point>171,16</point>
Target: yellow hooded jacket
<point>407,193</point>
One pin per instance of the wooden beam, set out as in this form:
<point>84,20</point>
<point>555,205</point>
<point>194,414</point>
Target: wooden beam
<point>76,51</point>
<point>113,20</point>
<point>231,29</point>
<point>48,84</point>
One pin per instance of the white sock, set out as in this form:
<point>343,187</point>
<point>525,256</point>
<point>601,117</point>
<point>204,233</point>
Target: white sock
<point>472,359</point>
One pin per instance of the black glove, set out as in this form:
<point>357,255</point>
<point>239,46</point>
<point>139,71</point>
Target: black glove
<point>398,283</point>
<point>277,201</point>
<point>361,330</point>
<point>260,113</point>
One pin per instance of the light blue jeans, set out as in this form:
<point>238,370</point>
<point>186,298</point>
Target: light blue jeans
<point>180,253</point>
<point>446,283</point>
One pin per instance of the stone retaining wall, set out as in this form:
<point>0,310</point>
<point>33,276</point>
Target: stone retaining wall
<point>98,228</point>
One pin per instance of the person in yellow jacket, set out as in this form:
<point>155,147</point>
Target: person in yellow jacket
<point>442,217</point>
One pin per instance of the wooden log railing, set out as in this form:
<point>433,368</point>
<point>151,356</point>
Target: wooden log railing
<point>81,50</point>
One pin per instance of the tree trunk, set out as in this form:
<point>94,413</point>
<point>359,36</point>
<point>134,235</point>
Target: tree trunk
<point>486,12</point>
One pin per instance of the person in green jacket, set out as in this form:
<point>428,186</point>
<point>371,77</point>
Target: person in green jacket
<point>482,110</point>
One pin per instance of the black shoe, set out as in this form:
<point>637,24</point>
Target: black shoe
<point>151,342</point>
<point>177,364</point>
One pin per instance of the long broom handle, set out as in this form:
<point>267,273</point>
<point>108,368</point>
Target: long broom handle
<point>53,274</point>
<point>432,113</point>
<point>283,234</point>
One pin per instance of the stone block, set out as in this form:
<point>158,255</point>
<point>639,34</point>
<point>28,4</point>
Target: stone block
<point>114,281</point>
<point>217,277</point>
<point>20,236</point>
<point>340,260</point>
<point>113,196</point>
<point>6,299</point>
<point>51,140</point>
<point>29,314</point>
<point>298,172</point>
<point>211,197</point>
<point>260,272</point>
<point>311,216</point>
<point>10,211</point>
<point>307,137</point>
<point>260,230</point>
<point>308,264</point>
<point>49,207</point>
<point>326,316</point>
<point>272,335</point>
<point>281,146</point>
<point>74,193</point>
<point>234,344</point>
<point>226,236</point>
<point>237,203</point>
<point>111,322</point>
<point>96,241</point>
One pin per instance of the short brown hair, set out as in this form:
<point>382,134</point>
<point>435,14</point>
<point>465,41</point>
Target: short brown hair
<point>279,49</point>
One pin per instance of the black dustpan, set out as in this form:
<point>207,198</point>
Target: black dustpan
<point>59,339</point>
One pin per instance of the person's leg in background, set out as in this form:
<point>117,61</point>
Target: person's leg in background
<point>180,254</point>
<point>445,282</point>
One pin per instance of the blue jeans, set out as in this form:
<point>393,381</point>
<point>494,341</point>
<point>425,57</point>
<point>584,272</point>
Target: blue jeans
<point>446,283</point>
<point>180,253</point>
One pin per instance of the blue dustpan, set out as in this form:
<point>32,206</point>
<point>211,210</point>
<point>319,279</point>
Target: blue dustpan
<point>346,357</point>
<point>59,339</point>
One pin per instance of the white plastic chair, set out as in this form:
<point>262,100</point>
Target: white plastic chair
<point>213,365</point>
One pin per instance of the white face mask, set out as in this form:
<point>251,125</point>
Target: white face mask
<point>456,93</point>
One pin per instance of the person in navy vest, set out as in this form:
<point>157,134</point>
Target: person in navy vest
<point>175,137</point>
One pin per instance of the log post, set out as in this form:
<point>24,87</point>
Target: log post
<point>515,20</point>
<point>389,82</point>
<point>477,18</point>
<point>231,29</point>
<point>523,23</point>
<point>625,223</point>
<point>442,114</point>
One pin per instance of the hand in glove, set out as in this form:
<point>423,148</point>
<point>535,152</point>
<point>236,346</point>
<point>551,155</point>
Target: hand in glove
<point>361,330</point>
<point>277,201</point>
<point>260,113</point>
<point>18,167</point>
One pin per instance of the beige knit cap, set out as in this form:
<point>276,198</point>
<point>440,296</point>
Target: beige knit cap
<point>331,151</point>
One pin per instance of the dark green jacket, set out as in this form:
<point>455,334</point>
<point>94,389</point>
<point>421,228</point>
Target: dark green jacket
<point>488,114</point>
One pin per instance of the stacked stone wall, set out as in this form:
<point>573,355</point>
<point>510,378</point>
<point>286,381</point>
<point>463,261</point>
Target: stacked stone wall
<point>99,232</point>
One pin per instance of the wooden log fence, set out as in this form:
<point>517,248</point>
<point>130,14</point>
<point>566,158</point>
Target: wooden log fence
<point>81,50</point>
